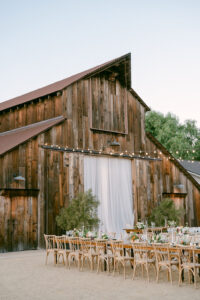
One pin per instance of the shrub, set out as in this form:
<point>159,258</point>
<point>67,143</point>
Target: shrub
<point>165,210</point>
<point>82,211</point>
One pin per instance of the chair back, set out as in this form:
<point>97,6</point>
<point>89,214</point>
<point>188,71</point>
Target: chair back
<point>141,252</point>
<point>74,244</point>
<point>101,247</point>
<point>196,254</point>
<point>161,253</point>
<point>49,241</point>
<point>175,254</point>
<point>60,242</point>
<point>117,248</point>
<point>86,245</point>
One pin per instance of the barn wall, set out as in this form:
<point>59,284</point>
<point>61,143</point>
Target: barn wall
<point>97,112</point>
<point>28,113</point>
<point>18,223</point>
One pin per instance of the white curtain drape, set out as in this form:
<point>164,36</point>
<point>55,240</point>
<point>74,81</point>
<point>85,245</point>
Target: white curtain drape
<point>110,180</point>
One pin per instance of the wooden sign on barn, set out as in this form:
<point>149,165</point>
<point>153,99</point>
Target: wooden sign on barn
<point>46,134</point>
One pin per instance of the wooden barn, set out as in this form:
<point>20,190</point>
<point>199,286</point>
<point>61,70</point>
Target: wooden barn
<point>54,138</point>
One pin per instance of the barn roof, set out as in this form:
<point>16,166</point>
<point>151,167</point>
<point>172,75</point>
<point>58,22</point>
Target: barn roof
<point>121,64</point>
<point>191,166</point>
<point>13,138</point>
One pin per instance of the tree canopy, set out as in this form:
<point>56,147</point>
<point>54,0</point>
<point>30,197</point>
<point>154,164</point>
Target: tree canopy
<point>181,140</point>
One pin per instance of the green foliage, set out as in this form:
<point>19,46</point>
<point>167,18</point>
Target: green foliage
<point>82,211</point>
<point>165,210</point>
<point>182,141</point>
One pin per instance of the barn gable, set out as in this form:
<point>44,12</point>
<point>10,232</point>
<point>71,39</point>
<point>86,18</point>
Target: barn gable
<point>119,68</point>
<point>45,136</point>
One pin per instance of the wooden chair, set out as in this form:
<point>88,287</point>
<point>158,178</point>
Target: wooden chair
<point>50,246</point>
<point>190,262</point>
<point>167,257</point>
<point>62,249</point>
<point>75,253</point>
<point>145,257</point>
<point>120,257</point>
<point>196,261</point>
<point>88,252</point>
<point>103,255</point>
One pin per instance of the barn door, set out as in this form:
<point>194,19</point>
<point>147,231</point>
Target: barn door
<point>18,223</point>
<point>111,181</point>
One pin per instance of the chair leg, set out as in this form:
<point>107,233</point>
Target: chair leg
<point>189,276</point>
<point>134,270</point>
<point>155,269</point>
<point>79,263</point>
<point>108,268</point>
<point>55,258</point>
<point>142,271</point>
<point>46,258</point>
<point>114,267</point>
<point>157,278</point>
<point>124,265</point>
<point>180,277</point>
<point>195,277</point>
<point>83,261</point>
<point>170,273</point>
<point>147,272</point>
<point>67,263</point>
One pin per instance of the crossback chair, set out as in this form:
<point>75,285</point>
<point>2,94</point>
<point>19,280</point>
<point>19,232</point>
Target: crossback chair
<point>62,250</point>
<point>121,257</point>
<point>145,257</point>
<point>190,262</point>
<point>166,257</point>
<point>196,261</point>
<point>88,252</point>
<point>75,253</point>
<point>50,246</point>
<point>103,255</point>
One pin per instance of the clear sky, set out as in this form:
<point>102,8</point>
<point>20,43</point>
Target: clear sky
<point>42,41</point>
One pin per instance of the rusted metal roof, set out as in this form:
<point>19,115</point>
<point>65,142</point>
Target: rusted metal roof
<point>59,85</point>
<point>13,138</point>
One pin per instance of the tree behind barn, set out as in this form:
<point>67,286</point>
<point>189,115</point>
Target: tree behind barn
<point>181,140</point>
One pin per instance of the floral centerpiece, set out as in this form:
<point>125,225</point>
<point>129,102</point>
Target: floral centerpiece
<point>172,223</point>
<point>158,238</point>
<point>184,242</point>
<point>185,230</point>
<point>140,225</point>
<point>76,232</point>
<point>104,236</point>
<point>133,237</point>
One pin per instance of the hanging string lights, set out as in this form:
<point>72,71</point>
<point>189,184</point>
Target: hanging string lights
<point>155,155</point>
<point>140,154</point>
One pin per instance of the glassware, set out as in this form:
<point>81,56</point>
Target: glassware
<point>153,224</point>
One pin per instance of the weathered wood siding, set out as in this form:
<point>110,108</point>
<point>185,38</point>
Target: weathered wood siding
<point>97,111</point>
<point>18,223</point>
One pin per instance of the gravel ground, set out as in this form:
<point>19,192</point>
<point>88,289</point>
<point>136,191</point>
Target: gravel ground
<point>24,276</point>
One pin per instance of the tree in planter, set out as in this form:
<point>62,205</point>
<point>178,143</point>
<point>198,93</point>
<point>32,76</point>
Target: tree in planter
<point>165,210</point>
<point>82,211</point>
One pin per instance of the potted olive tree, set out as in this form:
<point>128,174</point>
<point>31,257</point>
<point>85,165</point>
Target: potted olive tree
<point>81,214</point>
<point>165,210</point>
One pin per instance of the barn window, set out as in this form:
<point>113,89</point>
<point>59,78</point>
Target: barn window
<point>109,104</point>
